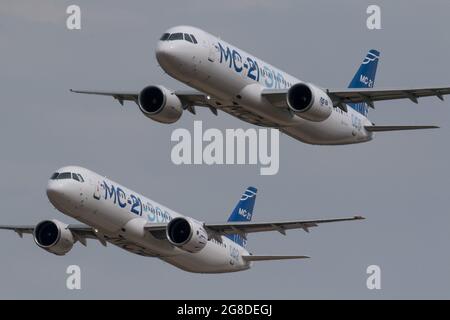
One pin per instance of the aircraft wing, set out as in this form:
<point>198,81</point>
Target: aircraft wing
<point>80,232</point>
<point>120,96</point>
<point>20,230</point>
<point>397,128</point>
<point>359,95</point>
<point>271,258</point>
<point>251,227</point>
<point>189,98</point>
<point>277,97</point>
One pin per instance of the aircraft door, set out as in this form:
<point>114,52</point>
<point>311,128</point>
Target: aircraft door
<point>212,54</point>
<point>205,66</point>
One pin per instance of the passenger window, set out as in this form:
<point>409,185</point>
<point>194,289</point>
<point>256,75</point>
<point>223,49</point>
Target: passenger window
<point>75,177</point>
<point>64,175</point>
<point>176,36</point>
<point>193,39</point>
<point>54,176</point>
<point>165,36</point>
<point>188,38</point>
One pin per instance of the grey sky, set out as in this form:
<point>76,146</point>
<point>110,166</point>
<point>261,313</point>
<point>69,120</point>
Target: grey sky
<point>399,181</point>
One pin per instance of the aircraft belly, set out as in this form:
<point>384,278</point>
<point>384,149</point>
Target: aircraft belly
<point>333,131</point>
<point>211,259</point>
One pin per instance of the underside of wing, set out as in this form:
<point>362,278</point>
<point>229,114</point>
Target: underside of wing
<point>19,229</point>
<point>271,258</point>
<point>80,232</point>
<point>397,128</point>
<point>340,97</point>
<point>252,227</point>
<point>371,95</point>
<point>242,228</point>
<point>187,97</point>
<point>120,96</point>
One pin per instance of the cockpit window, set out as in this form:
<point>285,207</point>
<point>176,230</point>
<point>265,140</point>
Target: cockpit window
<point>54,176</point>
<point>67,175</point>
<point>193,39</point>
<point>188,38</point>
<point>165,36</point>
<point>78,177</point>
<point>176,36</point>
<point>64,175</point>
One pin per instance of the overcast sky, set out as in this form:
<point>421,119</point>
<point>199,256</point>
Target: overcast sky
<point>399,181</point>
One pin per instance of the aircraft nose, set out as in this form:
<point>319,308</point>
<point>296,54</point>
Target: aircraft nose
<point>165,53</point>
<point>54,191</point>
<point>171,53</point>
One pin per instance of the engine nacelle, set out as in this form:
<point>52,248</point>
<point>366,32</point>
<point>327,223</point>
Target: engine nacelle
<point>160,104</point>
<point>187,234</point>
<point>53,236</point>
<point>309,102</point>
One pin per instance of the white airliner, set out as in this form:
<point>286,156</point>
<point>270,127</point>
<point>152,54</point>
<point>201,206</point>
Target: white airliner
<point>234,81</point>
<point>112,213</point>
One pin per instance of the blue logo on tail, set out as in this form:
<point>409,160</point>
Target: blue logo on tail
<point>365,78</point>
<point>243,212</point>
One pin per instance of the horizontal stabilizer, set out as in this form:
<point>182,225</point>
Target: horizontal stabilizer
<point>269,258</point>
<point>397,128</point>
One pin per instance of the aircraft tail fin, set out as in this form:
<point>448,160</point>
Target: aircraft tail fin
<point>243,212</point>
<point>365,78</point>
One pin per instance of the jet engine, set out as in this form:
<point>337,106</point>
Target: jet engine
<point>309,102</point>
<point>160,104</point>
<point>53,236</point>
<point>187,234</point>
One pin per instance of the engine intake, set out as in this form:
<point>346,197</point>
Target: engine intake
<point>309,102</point>
<point>187,234</point>
<point>53,236</point>
<point>160,104</point>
